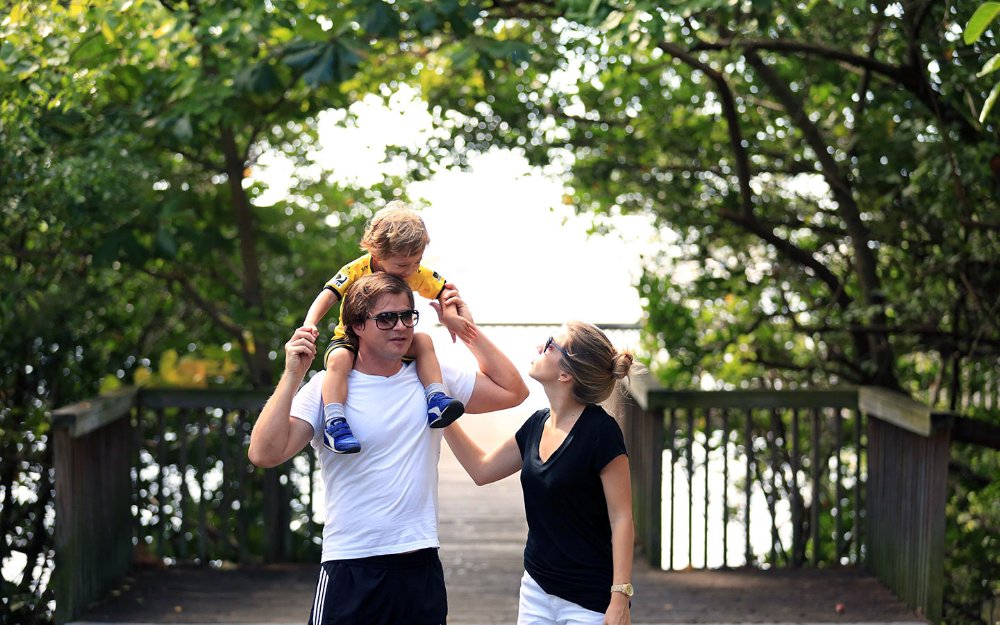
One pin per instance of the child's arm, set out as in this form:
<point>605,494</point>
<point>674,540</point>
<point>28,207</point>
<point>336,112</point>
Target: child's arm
<point>450,317</point>
<point>320,306</point>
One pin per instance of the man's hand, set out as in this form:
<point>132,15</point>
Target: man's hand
<point>300,350</point>
<point>455,315</point>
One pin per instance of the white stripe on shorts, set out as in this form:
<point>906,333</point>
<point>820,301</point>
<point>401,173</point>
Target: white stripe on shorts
<point>319,601</point>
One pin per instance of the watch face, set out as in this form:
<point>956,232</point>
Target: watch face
<point>629,591</point>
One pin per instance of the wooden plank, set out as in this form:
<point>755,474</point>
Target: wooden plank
<point>93,526</point>
<point>227,399</point>
<point>87,416</point>
<point>651,396</point>
<point>896,408</point>
<point>977,432</point>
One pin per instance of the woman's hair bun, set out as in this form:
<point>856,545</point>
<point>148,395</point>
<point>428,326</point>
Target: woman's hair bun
<point>621,365</point>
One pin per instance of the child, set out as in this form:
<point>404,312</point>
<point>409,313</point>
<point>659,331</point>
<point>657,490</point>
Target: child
<point>395,240</point>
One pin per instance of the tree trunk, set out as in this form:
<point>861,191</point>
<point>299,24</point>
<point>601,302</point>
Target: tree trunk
<point>252,289</point>
<point>875,346</point>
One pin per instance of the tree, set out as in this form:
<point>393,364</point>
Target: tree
<point>820,166</point>
<point>130,136</point>
<point>823,168</point>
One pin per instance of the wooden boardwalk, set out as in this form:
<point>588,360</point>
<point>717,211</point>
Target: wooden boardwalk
<point>482,534</point>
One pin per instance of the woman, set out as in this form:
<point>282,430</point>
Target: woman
<point>575,478</point>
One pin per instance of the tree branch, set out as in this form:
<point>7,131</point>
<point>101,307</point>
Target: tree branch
<point>732,116</point>
<point>909,77</point>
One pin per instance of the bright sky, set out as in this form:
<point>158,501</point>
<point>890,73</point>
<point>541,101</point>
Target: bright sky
<point>500,224</point>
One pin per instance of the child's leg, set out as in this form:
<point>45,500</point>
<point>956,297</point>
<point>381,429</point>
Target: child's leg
<point>339,363</point>
<point>442,410</point>
<point>338,437</point>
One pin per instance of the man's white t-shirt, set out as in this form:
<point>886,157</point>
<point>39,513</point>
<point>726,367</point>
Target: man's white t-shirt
<point>383,500</point>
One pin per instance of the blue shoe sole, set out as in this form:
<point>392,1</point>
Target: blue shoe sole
<point>451,414</point>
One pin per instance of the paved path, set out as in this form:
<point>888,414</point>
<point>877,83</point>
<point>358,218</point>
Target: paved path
<point>482,536</point>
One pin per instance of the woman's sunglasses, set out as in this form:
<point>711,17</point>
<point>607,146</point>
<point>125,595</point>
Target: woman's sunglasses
<point>551,342</point>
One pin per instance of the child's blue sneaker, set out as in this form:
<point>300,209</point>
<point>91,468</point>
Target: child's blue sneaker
<point>442,410</point>
<point>339,438</point>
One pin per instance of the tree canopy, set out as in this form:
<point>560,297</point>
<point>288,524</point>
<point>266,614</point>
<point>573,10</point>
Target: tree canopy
<point>826,189</point>
<point>821,165</point>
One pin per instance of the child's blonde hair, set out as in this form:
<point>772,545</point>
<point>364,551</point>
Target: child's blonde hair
<point>396,230</point>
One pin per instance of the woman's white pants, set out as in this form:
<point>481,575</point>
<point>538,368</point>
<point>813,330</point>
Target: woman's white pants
<point>537,607</point>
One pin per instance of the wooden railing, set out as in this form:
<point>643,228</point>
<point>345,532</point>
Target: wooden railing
<point>853,476</point>
<point>163,475</point>
<point>845,476</point>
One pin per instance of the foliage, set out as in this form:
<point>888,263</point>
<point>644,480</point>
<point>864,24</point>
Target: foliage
<point>129,136</point>
<point>798,155</point>
<point>978,23</point>
<point>829,190</point>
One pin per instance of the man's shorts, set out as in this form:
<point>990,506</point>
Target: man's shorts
<point>398,589</point>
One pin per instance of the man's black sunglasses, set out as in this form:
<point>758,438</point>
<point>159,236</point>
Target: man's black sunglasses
<point>387,320</point>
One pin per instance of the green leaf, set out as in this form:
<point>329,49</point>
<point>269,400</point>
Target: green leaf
<point>323,70</point>
<point>448,7</point>
<point>382,21</point>
<point>426,19</point>
<point>8,53</point>
<point>166,243</point>
<point>303,54</point>
<point>980,21</point>
<point>990,101</point>
<point>257,79</point>
<point>991,66</point>
<point>347,62</point>
<point>182,128</point>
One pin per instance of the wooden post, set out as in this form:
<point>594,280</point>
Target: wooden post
<point>643,430</point>
<point>907,493</point>
<point>92,456</point>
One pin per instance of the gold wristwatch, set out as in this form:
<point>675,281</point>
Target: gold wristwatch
<point>626,589</point>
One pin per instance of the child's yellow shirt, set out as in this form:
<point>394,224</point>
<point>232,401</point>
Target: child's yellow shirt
<point>425,281</point>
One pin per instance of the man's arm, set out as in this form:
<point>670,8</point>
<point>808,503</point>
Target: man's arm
<point>498,384</point>
<point>277,436</point>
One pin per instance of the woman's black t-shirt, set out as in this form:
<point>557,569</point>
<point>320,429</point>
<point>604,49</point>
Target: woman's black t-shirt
<point>569,535</point>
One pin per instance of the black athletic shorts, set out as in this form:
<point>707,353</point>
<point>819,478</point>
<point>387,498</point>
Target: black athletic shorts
<point>398,589</point>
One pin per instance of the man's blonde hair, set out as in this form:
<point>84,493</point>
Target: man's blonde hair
<point>396,230</point>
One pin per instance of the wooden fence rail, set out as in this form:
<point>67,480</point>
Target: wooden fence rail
<point>163,474</point>
<point>728,462</point>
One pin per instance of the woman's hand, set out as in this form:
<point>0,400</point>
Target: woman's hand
<point>618,612</point>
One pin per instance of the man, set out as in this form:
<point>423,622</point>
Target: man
<point>379,563</point>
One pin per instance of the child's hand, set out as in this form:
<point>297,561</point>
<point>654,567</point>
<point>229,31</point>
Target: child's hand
<point>300,350</point>
<point>460,325</point>
<point>455,315</point>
